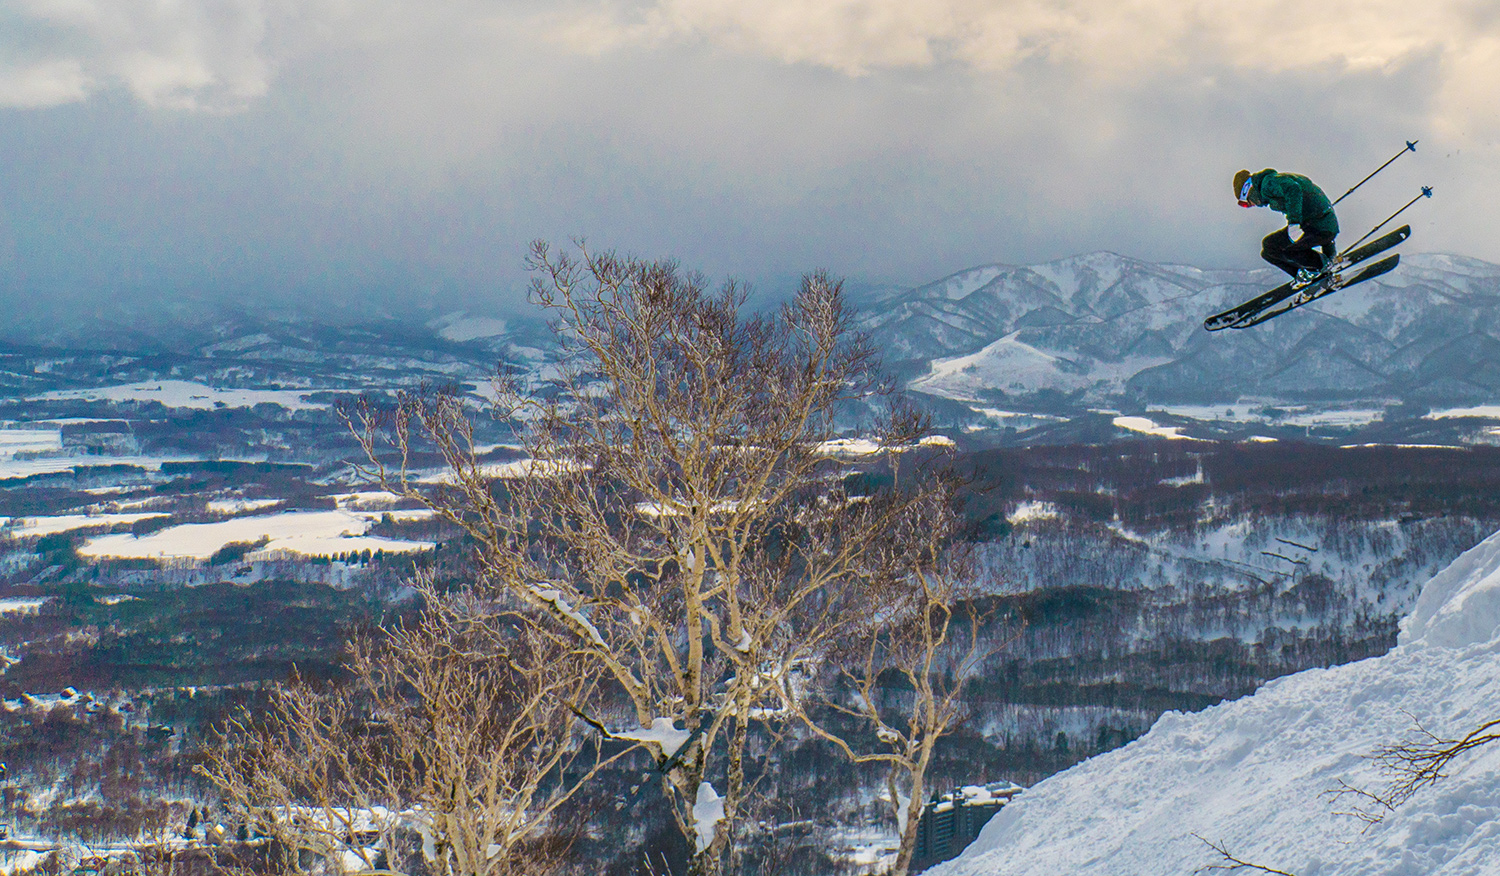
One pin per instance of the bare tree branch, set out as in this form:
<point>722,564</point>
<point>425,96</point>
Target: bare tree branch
<point>1416,762</point>
<point>1231,863</point>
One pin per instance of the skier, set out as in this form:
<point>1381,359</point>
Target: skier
<point>1303,204</point>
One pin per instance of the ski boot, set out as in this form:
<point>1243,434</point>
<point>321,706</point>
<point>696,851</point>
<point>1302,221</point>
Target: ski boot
<point>1305,277</point>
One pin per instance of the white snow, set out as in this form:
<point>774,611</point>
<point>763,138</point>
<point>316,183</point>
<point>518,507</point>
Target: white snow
<point>554,596</point>
<point>115,599</point>
<point>708,811</point>
<point>29,465</point>
<point>23,604</point>
<point>1030,510</point>
<point>1007,363</point>
<point>33,526</point>
<point>366,500</point>
<point>662,733</point>
<point>850,447</point>
<point>1149,427</point>
<point>235,506</point>
<point>1488,412</point>
<point>1252,773</point>
<point>460,327</point>
<point>312,533</point>
<point>187,394</point>
<point>519,468</point>
<point>13,441</point>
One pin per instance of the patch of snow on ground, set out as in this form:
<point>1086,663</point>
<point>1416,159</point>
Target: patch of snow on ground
<point>235,506</point>
<point>1340,418</point>
<point>519,468</point>
<point>367,500</point>
<point>36,526</point>
<point>1251,773</point>
<point>471,328</point>
<point>40,465</point>
<point>311,533</point>
<point>850,447</point>
<point>1488,412</point>
<point>1149,427</point>
<point>1034,511</point>
<point>23,604</point>
<point>186,394</point>
<point>13,441</point>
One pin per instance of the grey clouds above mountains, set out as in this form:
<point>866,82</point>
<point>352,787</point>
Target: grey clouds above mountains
<point>327,149</point>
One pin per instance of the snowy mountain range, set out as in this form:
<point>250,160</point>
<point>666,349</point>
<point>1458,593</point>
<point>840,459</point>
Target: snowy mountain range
<point>1081,350</point>
<point>1252,774</point>
<point>1106,330</point>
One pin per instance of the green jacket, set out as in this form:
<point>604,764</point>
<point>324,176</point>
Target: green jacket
<point>1297,197</point>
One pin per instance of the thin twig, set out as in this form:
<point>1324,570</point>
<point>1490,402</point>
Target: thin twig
<point>1232,863</point>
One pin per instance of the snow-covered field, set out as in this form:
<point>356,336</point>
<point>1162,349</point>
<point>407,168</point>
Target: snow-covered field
<point>1148,426</point>
<point>186,394</point>
<point>311,533</point>
<point>1252,774</point>
<point>35,526</point>
<point>13,441</point>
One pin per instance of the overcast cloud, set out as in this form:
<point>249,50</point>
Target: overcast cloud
<point>379,151</point>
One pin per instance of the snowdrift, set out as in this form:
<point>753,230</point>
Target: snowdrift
<point>1252,773</point>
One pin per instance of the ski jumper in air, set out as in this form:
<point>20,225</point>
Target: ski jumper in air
<point>1304,204</point>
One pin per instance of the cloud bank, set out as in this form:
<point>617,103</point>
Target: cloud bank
<point>179,54</point>
<point>329,147</point>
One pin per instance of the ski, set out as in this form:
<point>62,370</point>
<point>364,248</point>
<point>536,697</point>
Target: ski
<point>1232,317</point>
<point>1315,291</point>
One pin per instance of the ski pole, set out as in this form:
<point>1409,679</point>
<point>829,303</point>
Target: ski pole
<point>1411,146</point>
<point>1426,193</point>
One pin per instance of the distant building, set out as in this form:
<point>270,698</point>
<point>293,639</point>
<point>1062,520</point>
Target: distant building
<point>951,821</point>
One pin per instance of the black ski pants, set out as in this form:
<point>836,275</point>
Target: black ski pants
<point>1280,250</point>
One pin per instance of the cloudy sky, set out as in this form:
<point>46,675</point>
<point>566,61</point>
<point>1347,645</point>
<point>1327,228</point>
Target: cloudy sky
<point>349,151</point>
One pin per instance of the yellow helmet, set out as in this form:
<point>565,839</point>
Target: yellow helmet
<point>1242,184</point>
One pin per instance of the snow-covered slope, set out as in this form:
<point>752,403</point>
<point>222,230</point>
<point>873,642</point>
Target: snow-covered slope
<point>1252,773</point>
<point>1125,329</point>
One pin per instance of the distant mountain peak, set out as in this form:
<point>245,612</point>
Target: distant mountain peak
<point>1131,329</point>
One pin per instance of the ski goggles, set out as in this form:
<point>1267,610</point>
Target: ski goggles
<point>1245,192</point>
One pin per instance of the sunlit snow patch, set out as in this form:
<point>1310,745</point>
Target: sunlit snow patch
<point>1149,427</point>
<point>1486,412</point>
<point>237,506</point>
<point>1034,511</point>
<point>515,469</point>
<point>13,441</point>
<point>310,533</point>
<point>34,526</point>
<point>850,447</point>
<point>458,327</point>
<point>23,604</point>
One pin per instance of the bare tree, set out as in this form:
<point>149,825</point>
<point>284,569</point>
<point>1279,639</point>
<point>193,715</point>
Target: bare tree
<point>1409,766</point>
<point>683,520</point>
<point>457,727</point>
<point>901,668</point>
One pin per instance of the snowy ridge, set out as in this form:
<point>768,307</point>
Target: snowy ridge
<point>1105,326</point>
<point>1252,773</point>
